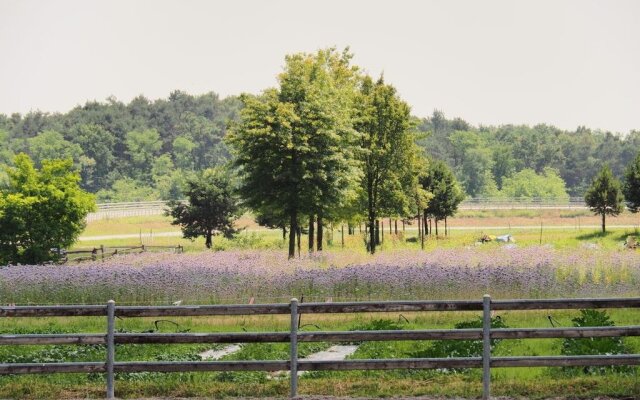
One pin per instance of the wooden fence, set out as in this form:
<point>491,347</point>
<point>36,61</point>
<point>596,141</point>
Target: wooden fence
<point>294,364</point>
<point>103,252</point>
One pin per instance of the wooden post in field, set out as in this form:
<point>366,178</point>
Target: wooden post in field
<point>540,232</point>
<point>111,348</point>
<point>293,355</point>
<point>486,347</point>
<point>342,234</point>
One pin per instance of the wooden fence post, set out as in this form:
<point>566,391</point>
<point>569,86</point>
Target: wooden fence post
<point>293,359</point>
<point>486,347</point>
<point>111,325</point>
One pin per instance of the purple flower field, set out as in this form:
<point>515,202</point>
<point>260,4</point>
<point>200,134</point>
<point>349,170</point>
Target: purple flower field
<point>235,277</point>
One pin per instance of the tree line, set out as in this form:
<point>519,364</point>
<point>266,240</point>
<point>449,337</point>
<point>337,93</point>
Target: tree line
<point>146,150</point>
<point>143,150</point>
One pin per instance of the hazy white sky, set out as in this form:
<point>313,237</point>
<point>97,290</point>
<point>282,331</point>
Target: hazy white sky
<point>567,63</point>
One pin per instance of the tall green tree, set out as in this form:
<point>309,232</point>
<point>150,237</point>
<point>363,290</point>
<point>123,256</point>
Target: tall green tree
<point>604,196</point>
<point>631,187</point>
<point>293,144</point>
<point>40,210</point>
<point>212,206</point>
<point>447,193</point>
<point>387,145</point>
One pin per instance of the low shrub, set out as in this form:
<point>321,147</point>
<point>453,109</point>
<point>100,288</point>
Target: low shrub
<point>593,346</point>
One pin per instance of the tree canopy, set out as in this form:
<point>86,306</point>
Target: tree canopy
<point>40,210</point>
<point>388,153</point>
<point>631,187</point>
<point>447,193</point>
<point>212,206</point>
<point>292,144</point>
<point>604,196</point>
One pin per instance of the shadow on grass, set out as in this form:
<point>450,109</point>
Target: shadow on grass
<point>594,235</point>
<point>616,236</point>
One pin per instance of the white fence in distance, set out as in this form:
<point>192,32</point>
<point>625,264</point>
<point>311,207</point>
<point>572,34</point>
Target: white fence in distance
<point>141,208</point>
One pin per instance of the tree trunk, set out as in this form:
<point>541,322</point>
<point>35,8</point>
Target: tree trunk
<point>419,226</point>
<point>372,236</point>
<point>320,230</point>
<point>430,227</point>
<point>311,239</point>
<point>603,223</point>
<point>445,226</point>
<point>396,226</point>
<point>284,233</point>
<point>299,234</point>
<point>381,231</point>
<point>377,230</point>
<point>436,227</point>
<point>342,235</point>
<point>293,231</point>
<point>424,224</point>
<point>208,241</point>
<point>390,231</point>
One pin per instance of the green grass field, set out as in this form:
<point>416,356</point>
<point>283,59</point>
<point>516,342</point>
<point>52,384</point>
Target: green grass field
<point>148,230</point>
<point>530,382</point>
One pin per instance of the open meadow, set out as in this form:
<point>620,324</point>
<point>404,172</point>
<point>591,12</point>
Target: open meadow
<point>562,262</point>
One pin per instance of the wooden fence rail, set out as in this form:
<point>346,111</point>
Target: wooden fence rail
<point>103,252</point>
<point>294,364</point>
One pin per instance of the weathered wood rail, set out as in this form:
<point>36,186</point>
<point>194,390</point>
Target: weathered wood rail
<point>102,252</point>
<point>294,364</point>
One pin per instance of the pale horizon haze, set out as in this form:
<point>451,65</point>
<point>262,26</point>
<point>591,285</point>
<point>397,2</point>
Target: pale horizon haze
<point>565,63</point>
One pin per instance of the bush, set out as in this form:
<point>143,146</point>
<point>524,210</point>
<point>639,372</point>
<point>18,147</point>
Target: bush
<point>460,348</point>
<point>593,346</point>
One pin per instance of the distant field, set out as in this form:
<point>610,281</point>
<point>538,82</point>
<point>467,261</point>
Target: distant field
<point>560,228</point>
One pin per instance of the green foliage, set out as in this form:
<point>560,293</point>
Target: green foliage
<point>604,196</point>
<point>390,161</point>
<point>593,346</point>
<point>631,188</point>
<point>527,184</point>
<point>98,159</point>
<point>41,210</point>
<point>379,325</point>
<point>475,173</point>
<point>50,145</point>
<point>442,184</point>
<point>293,144</point>
<point>142,147</point>
<point>212,206</point>
<point>461,348</point>
<point>127,189</point>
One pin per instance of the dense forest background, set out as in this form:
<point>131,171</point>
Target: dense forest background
<point>145,150</point>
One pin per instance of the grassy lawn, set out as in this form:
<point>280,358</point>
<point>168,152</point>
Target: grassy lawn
<point>530,382</point>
